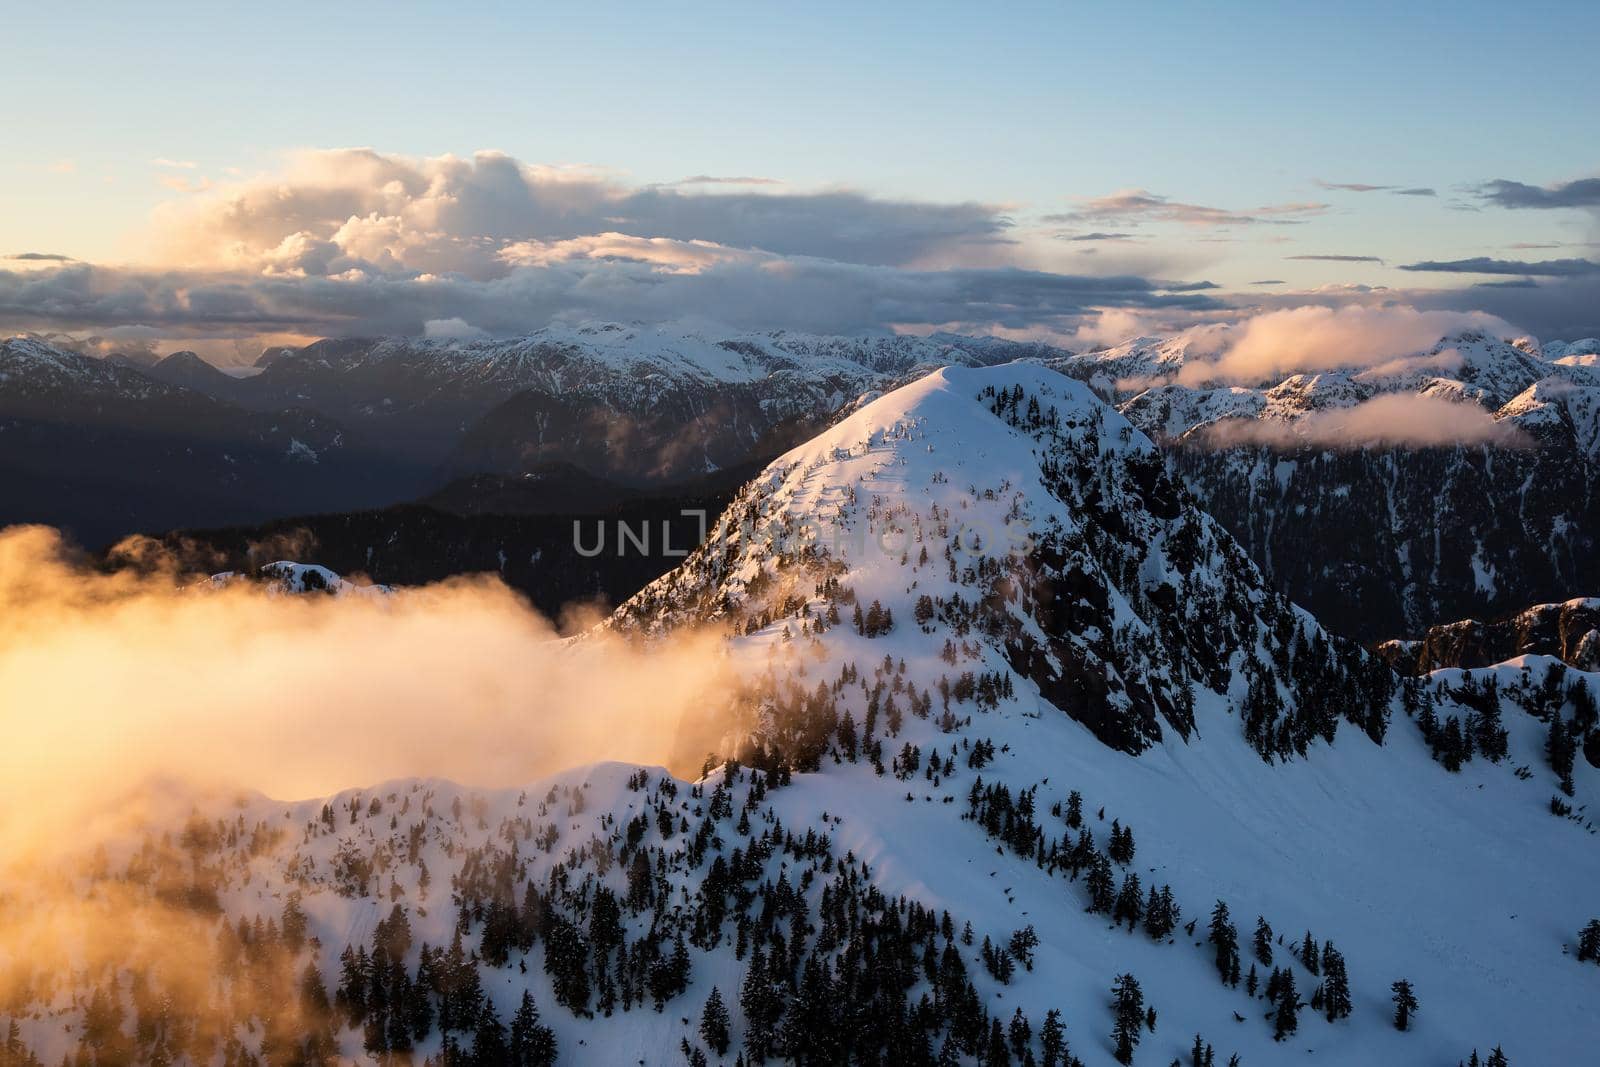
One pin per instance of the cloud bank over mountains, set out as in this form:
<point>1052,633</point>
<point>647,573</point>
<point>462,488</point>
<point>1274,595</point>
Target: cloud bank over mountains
<point>354,241</point>
<point>358,242</point>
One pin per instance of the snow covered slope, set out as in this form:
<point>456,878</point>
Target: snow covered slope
<point>1070,699</point>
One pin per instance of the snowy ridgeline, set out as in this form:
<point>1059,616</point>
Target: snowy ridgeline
<point>1028,725</point>
<point>286,577</point>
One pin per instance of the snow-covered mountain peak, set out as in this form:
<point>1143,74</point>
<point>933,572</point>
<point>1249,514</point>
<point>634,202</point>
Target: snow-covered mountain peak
<point>1010,510</point>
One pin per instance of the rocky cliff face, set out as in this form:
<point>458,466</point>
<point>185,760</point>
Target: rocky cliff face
<point>1568,631</point>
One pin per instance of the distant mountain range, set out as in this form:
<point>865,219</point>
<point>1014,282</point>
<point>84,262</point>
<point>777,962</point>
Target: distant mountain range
<point>1368,533</point>
<point>109,447</point>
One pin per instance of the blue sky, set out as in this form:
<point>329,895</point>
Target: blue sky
<point>1033,109</point>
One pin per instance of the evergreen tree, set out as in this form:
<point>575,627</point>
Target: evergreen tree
<point>1127,1001</point>
<point>1589,942</point>
<point>532,1045</point>
<point>714,1023</point>
<point>1405,1004</point>
<point>1336,1003</point>
<point>1285,1017</point>
<point>1053,1041</point>
<point>489,1038</point>
<point>762,1009</point>
<point>1225,939</point>
<point>1308,954</point>
<point>1263,943</point>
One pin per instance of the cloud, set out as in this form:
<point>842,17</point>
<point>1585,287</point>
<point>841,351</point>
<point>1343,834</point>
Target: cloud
<point>452,330</point>
<point>1274,344</point>
<point>761,293</point>
<point>1339,259</point>
<point>1403,420</point>
<point>1584,192</point>
<point>713,179</point>
<point>298,696</point>
<point>1351,187</point>
<point>179,164</point>
<point>684,257</point>
<point>40,257</point>
<point>449,214</point>
<point>1269,281</point>
<point>1510,283</point>
<point>1135,206</point>
<point>1099,236</point>
<point>1362,187</point>
<point>1548,268</point>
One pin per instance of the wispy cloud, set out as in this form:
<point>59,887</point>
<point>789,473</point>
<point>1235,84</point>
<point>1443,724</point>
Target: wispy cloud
<point>1098,236</point>
<point>1363,187</point>
<point>717,179</point>
<point>1351,187</point>
<point>40,257</point>
<point>1548,268</point>
<point>1136,206</point>
<point>177,164</point>
<point>1337,258</point>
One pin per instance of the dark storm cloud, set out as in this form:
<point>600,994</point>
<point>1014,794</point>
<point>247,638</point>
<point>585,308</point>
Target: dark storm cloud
<point>1584,192</point>
<point>1548,268</point>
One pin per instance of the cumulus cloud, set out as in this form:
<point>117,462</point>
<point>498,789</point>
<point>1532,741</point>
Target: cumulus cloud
<point>1133,206</point>
<point>450,214</point>
<point>1272,345</point>
<point>356,241</point>
<point>1584,192</point>
<point>1547,268</point>
<point>1404,420</point>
